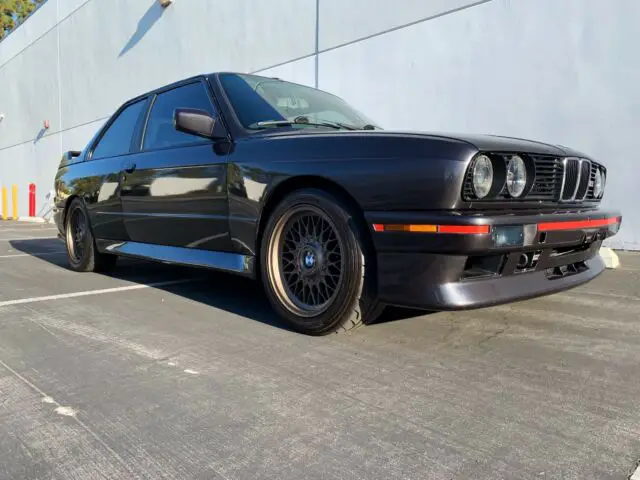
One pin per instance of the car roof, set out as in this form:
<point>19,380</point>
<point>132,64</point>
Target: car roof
<point>183,81</point>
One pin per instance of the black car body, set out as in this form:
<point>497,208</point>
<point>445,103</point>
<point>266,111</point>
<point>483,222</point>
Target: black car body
<point>193,173</point>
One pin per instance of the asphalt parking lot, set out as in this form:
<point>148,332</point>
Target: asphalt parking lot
<point>165,372</point>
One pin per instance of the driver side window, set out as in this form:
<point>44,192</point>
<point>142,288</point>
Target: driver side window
<point>160,132</point>
<point>116,140</point>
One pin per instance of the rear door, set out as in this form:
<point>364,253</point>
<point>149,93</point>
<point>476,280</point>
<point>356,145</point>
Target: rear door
<point>174,190</point>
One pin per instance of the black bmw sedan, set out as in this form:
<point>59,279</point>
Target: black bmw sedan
<point>338,218</point>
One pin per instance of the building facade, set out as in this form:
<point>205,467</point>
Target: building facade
<point>563,72</point>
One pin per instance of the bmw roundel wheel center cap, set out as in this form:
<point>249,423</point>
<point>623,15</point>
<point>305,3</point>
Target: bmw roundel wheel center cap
<point>310,259</point>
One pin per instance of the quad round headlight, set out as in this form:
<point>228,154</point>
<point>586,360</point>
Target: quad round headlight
<point>482,176</point>
<point>516,176</point>
<point>598,184</point>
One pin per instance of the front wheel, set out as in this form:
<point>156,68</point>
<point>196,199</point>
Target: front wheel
<point>82,252</point>
<point>315,267</point>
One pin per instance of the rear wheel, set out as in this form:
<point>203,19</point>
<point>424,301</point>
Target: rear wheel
<point>81,247</point>
<point>314,265</point>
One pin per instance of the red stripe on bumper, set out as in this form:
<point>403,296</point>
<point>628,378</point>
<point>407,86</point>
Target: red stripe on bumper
<point>577,225</point>
<point>464,229</point>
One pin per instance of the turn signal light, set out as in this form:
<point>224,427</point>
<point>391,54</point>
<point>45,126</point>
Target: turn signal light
<point>421,228</point>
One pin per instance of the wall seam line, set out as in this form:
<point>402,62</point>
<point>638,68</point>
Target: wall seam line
<point>55,133</point>
<point>57,24</point>
<point>297,59</point>
<point>405,25</point>
<point>59,76</point>
<point>315,54</point>
<point>317,51</point>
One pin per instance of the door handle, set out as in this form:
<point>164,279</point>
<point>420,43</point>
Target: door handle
<point>129,167</point>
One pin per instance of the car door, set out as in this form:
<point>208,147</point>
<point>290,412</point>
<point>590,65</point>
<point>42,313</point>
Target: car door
<point>174,190</point>
<point>98,177</point>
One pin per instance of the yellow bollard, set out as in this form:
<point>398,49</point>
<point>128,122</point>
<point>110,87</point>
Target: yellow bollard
<point>14,201</point>
<point>5,207</point>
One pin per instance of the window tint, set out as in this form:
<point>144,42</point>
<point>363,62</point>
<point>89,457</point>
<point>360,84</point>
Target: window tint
<point>160,131</point>
<point>117,139</point>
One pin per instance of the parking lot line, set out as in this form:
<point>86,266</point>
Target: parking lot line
<point>28,229</point>
<point>37,254</point>
<point>87,293</point>
<point>21,239</point>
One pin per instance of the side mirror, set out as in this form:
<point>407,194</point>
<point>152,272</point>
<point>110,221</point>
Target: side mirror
<point>194,121</point>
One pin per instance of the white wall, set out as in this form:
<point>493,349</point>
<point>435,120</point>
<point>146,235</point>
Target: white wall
<point>558,71</point>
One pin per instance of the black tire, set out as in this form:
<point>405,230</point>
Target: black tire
<point>308,237</point>
<point>82,252</point>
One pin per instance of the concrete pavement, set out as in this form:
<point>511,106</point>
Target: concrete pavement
<point>166,372</point>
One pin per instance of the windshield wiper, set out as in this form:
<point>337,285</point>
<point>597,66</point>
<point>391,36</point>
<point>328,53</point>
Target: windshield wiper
<point>287,123</point>
<point>302,120</point>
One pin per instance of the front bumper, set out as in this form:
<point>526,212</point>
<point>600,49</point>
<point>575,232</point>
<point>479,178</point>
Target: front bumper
<point>453,261</point>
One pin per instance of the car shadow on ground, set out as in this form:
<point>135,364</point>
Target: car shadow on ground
<point>225,291</point>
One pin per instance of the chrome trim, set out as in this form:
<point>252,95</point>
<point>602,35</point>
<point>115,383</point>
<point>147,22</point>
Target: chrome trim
<point>564,178</point>
<point>575,189</point>
<point>586,190</point>
<point>530,231</point>
<point>193,216</point>
<point>224,261</point>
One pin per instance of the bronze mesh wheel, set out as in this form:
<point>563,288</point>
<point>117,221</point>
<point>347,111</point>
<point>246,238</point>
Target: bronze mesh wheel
<point>316,268</point>
<point>77,230</point>
<point>307,254</point>
<point>82,253</point>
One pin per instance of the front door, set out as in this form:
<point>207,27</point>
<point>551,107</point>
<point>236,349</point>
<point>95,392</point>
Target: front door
<point>173,191</point>
<point>99,175</point>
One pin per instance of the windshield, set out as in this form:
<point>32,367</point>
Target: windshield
<point>261,102</point>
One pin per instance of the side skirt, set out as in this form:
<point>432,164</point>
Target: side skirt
<point>224,261</point>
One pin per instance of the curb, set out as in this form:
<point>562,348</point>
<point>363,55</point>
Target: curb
<point>35,220</point>
<point>610,257</point>
<point>32,219</point>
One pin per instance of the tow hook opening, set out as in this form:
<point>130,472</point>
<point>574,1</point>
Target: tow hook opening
<point>523,260</point>
<point>528,261</point>
<point>483,266</point>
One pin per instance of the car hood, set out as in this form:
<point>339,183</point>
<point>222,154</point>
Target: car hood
<point>487,143</point>
<point>497,143</point>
